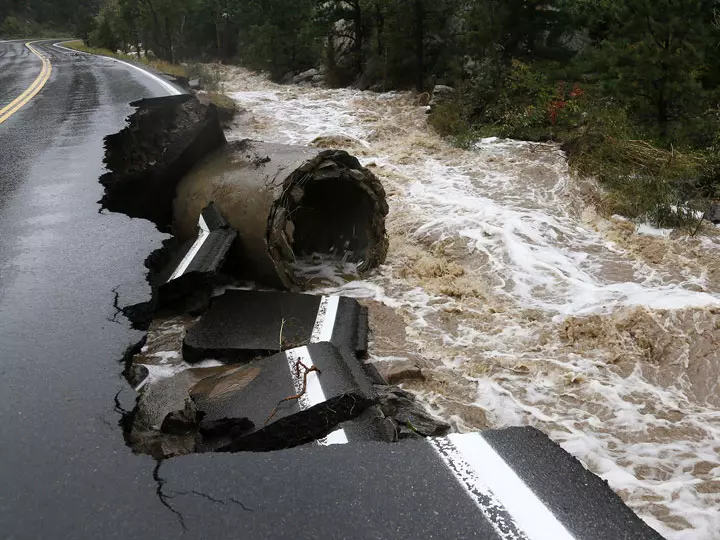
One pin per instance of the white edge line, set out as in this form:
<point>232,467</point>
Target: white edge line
<point>313,391</point>
<point>190,255</point>
<point>325,320</point>
<point>169,88</point>
<point>336,437</point>
<point>492,473</point>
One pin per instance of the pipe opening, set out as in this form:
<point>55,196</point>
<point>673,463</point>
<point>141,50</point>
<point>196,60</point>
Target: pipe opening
<point>334,218</point>
<point>328,225</point>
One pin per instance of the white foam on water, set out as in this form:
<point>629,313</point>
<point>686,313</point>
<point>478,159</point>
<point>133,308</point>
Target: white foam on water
<point>513,218</point>
<point>649,230</point>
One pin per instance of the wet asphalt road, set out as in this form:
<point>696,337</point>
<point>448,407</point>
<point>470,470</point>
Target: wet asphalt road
<point>64,462</point>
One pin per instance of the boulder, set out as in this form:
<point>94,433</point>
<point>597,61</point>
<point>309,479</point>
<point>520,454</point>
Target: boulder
<point>410,418</point>
<point>136,374</point>
<point>440,94</point>
<point>305,76</point>
<point>287,78</point>
<point>399,371</point>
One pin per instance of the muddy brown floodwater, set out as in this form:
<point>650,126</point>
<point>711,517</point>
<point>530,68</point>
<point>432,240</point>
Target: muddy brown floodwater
<point>521,304</point>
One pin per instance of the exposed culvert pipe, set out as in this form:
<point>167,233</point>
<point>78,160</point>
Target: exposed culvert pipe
<point>287,203</point>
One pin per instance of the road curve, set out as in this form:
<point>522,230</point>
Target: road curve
<point>66,472</point>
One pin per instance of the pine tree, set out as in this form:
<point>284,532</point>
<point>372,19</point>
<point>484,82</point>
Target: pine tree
<point>654,56</point>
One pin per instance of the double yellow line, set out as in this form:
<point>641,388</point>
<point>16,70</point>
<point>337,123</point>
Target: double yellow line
<point>20,101</point>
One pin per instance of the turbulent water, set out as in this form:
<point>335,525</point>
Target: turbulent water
<point>523,305</point>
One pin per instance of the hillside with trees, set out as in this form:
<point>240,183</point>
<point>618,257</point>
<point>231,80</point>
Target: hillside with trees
<point>630,87</point>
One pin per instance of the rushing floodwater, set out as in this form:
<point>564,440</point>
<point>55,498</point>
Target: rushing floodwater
<point>523,305</point>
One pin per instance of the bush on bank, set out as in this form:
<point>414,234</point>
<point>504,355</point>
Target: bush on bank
<point>643,175</point>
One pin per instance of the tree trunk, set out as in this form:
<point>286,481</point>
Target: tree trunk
<point>218,36</point>
<point>157,33</point>
<point>358,30</point>
<point>168,41</point>
<point>662,115</point>
<point>379,28</point>
<point>420,45</point>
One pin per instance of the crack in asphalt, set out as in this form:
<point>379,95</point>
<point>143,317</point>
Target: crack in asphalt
<point>165,498</point>
<point>116,305</point>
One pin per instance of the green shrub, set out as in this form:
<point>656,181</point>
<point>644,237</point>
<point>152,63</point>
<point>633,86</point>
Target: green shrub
<point>12,27</point>
<point>640,180</point>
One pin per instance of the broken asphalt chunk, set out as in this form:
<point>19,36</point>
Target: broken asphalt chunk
<point>187,281</point>
<point>165,137</point>
<point>182,422</point>
<point>241,325</point>
<point>225,427</point>
<point>292,398</point>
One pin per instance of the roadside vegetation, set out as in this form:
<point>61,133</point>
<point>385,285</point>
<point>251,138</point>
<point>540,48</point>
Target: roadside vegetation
<point>630,88</point>
<point>16,27</point>
<point>159,65</point>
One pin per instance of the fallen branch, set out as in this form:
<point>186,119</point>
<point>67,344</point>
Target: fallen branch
<point>298,395</point>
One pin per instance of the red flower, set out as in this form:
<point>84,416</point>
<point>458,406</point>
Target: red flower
<point>554,107</point>
<point>576,91</point>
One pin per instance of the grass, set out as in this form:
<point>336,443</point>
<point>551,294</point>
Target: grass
<point>159,65</point>
<point>222,101</point>
<point>641,180</point>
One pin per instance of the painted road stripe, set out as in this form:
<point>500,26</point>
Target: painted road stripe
<point>325,320</point>
<point>20,101</point>
<point>314,393</point>
<point>190,255</point>
<point>168,87</point>
<point>512,508</point>
<point>322,332</point>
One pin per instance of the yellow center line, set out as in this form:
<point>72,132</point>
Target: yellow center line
<point>20,101</point>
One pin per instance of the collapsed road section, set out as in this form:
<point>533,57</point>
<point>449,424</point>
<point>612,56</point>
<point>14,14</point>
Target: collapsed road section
<point>276,376</point>
<point>284,367</point>
<point>288,204</point>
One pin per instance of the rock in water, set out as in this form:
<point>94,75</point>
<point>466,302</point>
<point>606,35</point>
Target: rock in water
<point>410,417</point>
<point>440,94</point>
<point>163,140</point>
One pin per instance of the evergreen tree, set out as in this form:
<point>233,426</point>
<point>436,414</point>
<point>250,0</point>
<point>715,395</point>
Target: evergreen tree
<point>654,58</point>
